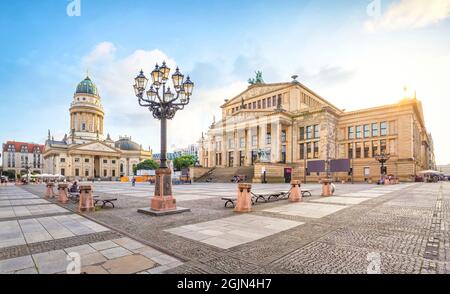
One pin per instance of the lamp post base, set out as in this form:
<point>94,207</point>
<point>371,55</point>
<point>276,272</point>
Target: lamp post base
<point>163,203</point>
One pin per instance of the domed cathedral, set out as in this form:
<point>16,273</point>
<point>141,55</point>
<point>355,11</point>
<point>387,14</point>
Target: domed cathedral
<point>86,112</point>
<point>85,153</point>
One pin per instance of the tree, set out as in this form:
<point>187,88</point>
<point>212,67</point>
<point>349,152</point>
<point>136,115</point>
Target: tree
<point>148,164</point>
<point>184,161</point>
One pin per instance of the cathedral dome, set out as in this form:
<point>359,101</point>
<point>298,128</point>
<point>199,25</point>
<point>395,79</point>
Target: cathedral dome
<point>127,145</point>
<point>87,87</point>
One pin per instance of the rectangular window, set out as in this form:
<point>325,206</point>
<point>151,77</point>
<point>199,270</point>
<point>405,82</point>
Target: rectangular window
<point>366,131</point>
<point>374,148</point>
<point>383,146</point>
<point>383,129</point>
<point>358,150</point>
<point>63,172</point>
<point>269,102</point>
<point>77,160</point>
<point>249,106</point>
<point>350,150</point>
<point>105,173</point>
<point>264,103</point>
<point>274,101</point>
<point>113,162</point>
<point>77,172</point>
<point>375,130</point>
<point>351,133</point>
<point>254,104</point>
<point>358,132</point>
<point>308,150</point>
<point>283,136</point>
<point>268,138</point>
<point>86,173</point>
<point>302,151</point>
<point>230,143</point>
<point>254,140</point>
<point>242,142</point>
<point>316,132</point>
<point>113,173</point>
<point>309,132</point>
<point>302,133</point>
<point>105,161</point>
<point>86,160</point>
<point>316,150</point>
<point>259,104</point>
<point>61,159</point>
<point>366,149</point>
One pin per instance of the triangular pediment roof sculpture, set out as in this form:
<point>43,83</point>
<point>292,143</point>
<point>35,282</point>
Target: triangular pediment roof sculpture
<point>267,89</point>
<point>257,90</point>
<point>96,146</point>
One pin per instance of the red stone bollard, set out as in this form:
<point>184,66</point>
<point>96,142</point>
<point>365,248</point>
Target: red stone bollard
<point>244,198</point>
<point>296,193</point>
<point>49,190</point>
<point>86,199</point>
<point>326,188</point>
<point>62,195</point>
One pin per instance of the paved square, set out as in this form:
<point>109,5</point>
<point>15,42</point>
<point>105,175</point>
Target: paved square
<point>233,231</point>
<point>341,200</point>
<point>312,210</point>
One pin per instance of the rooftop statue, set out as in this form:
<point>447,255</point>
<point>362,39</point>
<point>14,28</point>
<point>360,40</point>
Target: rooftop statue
<point>257,80</point>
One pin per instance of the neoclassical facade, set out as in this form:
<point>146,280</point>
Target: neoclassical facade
<point>85,153</point>
<point>281,126</point>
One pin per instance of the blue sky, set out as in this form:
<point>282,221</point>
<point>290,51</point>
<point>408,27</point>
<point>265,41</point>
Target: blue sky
<point>353,59</point>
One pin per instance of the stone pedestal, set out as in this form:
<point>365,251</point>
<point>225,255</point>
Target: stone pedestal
<point>244,198</point>
<point>63,193</point>
<point>86,199</point>
<point>163,202</point>
<point>326,188</point>
<point>49,190</point>
<point>296,193</point>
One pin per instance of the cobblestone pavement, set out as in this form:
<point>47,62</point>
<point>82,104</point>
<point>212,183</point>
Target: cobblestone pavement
<point>362,229</point>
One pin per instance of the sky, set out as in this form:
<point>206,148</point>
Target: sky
<point>356,54</point>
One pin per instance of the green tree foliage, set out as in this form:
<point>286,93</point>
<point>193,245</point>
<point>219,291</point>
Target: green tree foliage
<point>148,164</point>
<point>184,161</point>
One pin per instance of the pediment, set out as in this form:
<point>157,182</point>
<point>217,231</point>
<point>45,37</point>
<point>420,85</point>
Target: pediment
<point>96,147</point>
<point>258,90</point>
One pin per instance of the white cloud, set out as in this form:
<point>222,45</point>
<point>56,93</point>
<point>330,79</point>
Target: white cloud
<point>114,77</point>
<point>411,14</point>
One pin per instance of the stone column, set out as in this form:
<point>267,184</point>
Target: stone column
<point>326,188</point>
<point>86,199</point>
<point>49,190</point>
<point>244,198</point>
<point>63,197</point>
<point>296,194</point>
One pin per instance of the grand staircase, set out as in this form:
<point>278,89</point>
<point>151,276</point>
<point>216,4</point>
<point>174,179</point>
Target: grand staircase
<point>225,174</point>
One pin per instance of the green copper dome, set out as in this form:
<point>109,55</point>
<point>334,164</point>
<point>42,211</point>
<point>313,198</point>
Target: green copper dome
<point>87,87</point>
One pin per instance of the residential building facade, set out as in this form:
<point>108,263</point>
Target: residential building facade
<point>281,127</point>
<point>21,157</point>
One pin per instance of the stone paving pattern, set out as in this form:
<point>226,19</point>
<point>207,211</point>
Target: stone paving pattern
<point>407,225</point>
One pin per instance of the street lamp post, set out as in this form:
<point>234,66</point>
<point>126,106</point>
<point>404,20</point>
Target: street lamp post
<point>163,104</point>
<point>382,158</point>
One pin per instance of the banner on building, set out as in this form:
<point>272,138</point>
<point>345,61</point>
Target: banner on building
<point>316,166</point>
<point>340,165</point>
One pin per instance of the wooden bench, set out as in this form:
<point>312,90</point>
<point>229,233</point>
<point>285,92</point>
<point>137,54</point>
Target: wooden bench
<point>105,201</point>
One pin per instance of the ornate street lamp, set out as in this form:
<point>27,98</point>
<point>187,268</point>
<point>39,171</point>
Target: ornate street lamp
<point>382,158</point>
<point>163,103</point>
